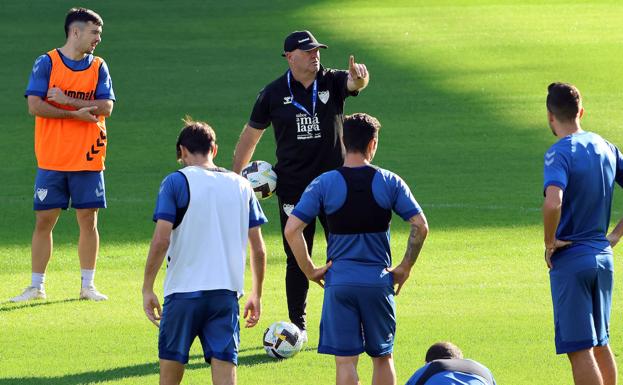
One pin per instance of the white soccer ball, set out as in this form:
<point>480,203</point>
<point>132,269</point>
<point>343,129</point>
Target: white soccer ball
<point>282,340</point>
<point>262,177</point>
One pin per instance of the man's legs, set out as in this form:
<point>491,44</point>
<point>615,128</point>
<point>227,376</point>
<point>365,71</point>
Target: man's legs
<point>297,284</point>
<point>42,239</point>
<point>585,368</point>
<point>383,370</point>
<point>346,370</point>
<point>171,372</point>
<point>223,372</point>
<point>88,243</point>
<point>41,251</point>
<point>607,365</point>
<point>88,247</point>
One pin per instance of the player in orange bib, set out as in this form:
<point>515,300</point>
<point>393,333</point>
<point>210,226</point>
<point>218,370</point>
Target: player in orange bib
<point>70,93</point>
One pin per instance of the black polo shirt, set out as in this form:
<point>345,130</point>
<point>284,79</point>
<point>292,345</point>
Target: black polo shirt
<point>306,146</point>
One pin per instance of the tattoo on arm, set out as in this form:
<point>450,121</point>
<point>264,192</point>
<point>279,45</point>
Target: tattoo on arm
<point>414,245</point>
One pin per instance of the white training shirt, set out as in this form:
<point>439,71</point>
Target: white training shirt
<point>208,248</point>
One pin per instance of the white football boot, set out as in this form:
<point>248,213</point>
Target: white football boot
<point>92,294</point>
<point>304,336</point>
<point>29,294</point>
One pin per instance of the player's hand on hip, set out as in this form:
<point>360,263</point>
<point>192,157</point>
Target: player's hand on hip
<point>57,95</point>
<point>152,308</point>
<point>356,71</point>
<point>252,310</point>
<point>86,114</point>
<point>550,250</point>
<point>400,274</point>
<point>317,275</point>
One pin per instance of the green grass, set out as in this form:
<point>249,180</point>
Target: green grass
<point>459,87</point>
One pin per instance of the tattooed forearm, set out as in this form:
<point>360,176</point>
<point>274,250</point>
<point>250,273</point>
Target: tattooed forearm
<point>414,245</point>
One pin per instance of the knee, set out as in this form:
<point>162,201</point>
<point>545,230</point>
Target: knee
<point>167,378</point>
<point>45,222</point>
<point>346,363</point>
<point>581,356</point>
<point>87,219</point>
<point>602,350</point>
<point>384,361</point>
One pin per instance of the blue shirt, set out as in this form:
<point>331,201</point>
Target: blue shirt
<point>449,378</point>
<point>358,259</point>
<point>585,167</point>
<point>174,196</point>
<point>40,76</point>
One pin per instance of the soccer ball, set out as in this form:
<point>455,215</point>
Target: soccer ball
<point>282,340</point>
<point>262,177</point>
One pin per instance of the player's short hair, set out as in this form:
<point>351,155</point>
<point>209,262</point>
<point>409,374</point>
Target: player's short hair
<point>359,130</point>
<point>443,350</point>
<point>563,101</point>
<point>197,137</point>
<point>82,15</point>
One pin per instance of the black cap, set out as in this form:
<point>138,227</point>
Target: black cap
<point>303,40</point>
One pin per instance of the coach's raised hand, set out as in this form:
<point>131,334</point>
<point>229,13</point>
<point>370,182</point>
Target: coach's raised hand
<point>358,76</point>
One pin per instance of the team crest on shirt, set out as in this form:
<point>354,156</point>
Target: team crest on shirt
<point>42,193</point>
<point>287,100</point>
<point>549,158</point>
<point>324,96</point>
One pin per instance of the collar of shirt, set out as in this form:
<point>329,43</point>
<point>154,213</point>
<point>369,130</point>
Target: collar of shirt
<point>298,86</point>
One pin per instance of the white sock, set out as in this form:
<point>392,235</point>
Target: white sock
<point>37,280</point>
<point>87,277</point>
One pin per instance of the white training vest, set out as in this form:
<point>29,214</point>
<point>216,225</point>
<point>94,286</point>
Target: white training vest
<point>208,248</point>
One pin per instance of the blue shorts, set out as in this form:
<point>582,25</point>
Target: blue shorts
<point>581,283</point>
<point>357,319</point>
<point>211,315</point>
<point>54,189</point>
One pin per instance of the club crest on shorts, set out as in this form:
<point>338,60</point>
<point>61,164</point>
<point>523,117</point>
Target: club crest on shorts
<point>287,208</point>
<point>42,193</point>
<point>324,96</point>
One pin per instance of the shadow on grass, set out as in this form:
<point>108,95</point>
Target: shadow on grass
<point>139,370</point>
<point>11,306</point>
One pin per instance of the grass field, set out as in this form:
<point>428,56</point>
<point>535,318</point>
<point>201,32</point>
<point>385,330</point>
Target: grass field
<point>459,87</point>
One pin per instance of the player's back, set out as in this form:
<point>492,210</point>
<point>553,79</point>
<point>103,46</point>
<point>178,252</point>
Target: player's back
<point>584,165</point>
<point>208,248</point>
<point>471,373</point>
<point>358,203</point>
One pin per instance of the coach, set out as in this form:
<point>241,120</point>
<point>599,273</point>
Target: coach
<point>305,106</point>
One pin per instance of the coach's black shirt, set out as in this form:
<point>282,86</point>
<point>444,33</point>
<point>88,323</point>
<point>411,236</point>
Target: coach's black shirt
<point>306,146</point>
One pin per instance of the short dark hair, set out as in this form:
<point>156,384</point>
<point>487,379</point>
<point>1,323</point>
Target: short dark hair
<point>359,130</point>
<point>83,15</point>
<point>196,137</point>
<point>443,350</point>
<point>563,101</point>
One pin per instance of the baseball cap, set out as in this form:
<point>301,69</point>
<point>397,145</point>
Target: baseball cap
<point>303,40</point>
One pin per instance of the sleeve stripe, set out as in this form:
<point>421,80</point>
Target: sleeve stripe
<point>301,216</point>
<point>258,126</point>
<point>164,217</point>
<point>257,222</point>
<point>406,216</point>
